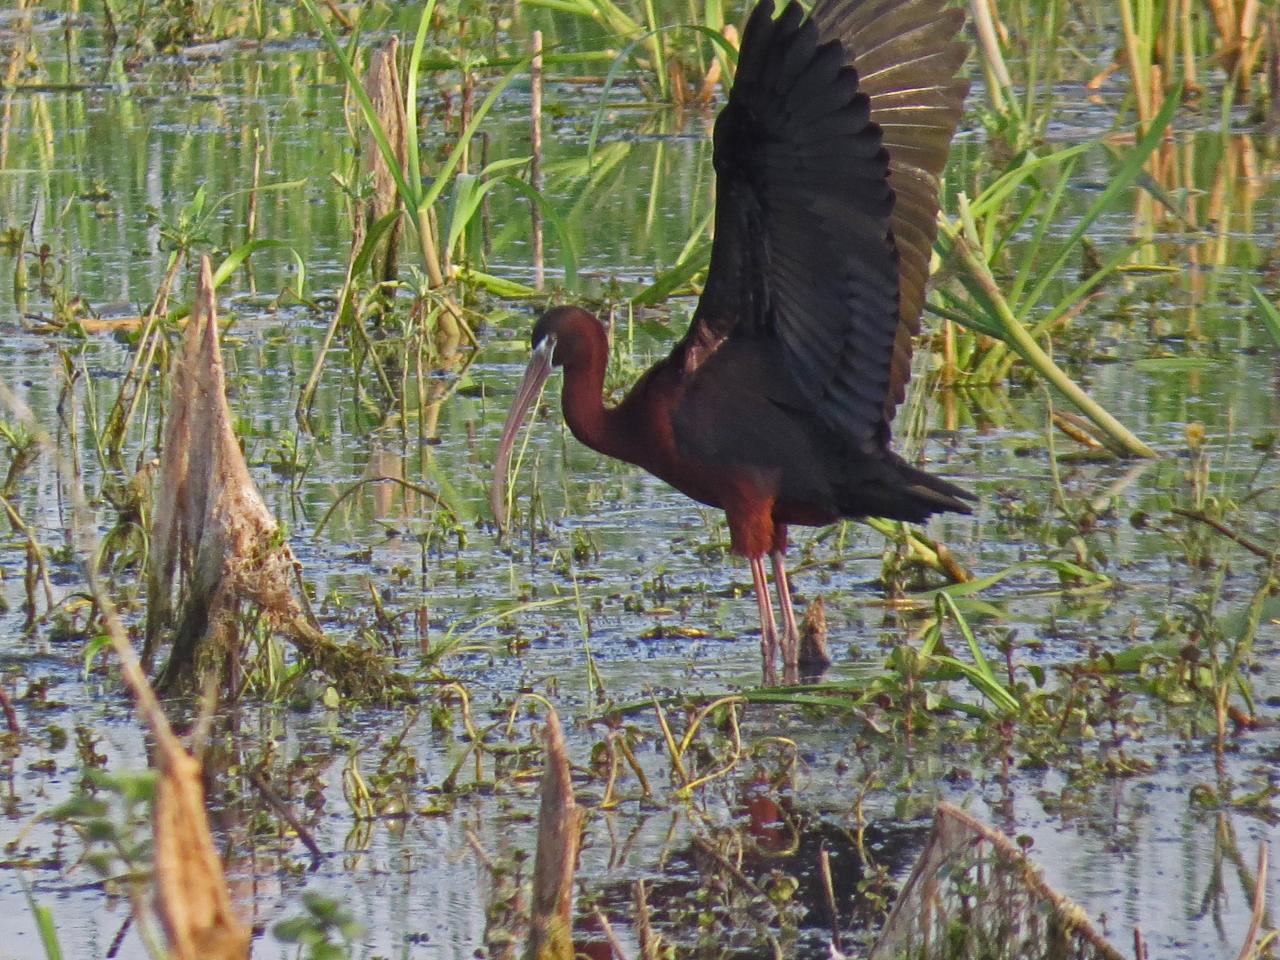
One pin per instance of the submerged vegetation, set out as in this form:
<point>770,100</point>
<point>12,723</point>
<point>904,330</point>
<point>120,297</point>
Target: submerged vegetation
<point>1090,664</point>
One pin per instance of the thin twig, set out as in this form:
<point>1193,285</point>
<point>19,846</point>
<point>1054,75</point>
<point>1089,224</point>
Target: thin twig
<point>1254,548</point>
<point>1259,905</point>
<point>263,786</point>
<point>619,952</point>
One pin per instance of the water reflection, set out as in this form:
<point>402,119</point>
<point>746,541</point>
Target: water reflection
<point>100,170</point>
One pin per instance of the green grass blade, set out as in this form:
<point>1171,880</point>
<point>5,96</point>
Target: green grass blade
<point>242,253</point>
<point>371,240</point>
<point>980,673</point>
<point>568,249</point>
<point>455,155</point>
<point>411,89</point>
<point>1267,310</point>
<point>1122,180</point>
<point>961,312</point>
<point>1046,217</point>
<point>409,192</point>
<point>665,283</point>
<point>994,197</point>
<point>44,926</point>
<point>499,286</point>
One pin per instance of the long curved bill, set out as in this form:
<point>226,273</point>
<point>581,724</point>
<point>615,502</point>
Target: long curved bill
<point>535,377</point>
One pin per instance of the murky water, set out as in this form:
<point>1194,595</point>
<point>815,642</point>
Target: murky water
<point>102,170</point>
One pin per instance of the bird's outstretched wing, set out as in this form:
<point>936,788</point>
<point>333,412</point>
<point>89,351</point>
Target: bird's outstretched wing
<point>812,248</point>
<point>907,54</point>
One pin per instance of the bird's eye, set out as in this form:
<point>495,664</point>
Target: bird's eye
<point>545,347</point>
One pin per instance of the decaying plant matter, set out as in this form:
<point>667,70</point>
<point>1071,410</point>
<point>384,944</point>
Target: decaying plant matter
<point>213,538</point>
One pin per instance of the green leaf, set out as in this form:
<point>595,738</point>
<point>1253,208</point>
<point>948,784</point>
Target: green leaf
<point>242,253</point>
<point>371,240</point>
<point>498,286</point>
<point>981,674</point>
<point>411,88</point>
<point>48,933</point>
<point>44,925</point>
<point>91,650</point>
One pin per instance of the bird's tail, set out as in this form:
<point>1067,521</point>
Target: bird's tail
<point>901,492</point>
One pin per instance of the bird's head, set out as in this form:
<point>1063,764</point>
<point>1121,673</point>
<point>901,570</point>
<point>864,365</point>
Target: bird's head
<point>565,334</point>
<point>561,338</point>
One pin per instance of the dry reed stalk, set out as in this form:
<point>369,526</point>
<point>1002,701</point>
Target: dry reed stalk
<point>999,82</point>
<point>559,827</point>
<point>382,83</point>
<point>813,637</point>
<point>1239,39</point>
<point>650,942</point>
<point>191,897</point>
<point>1247,951</point>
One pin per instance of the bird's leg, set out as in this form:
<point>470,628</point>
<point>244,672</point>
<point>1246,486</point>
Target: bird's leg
<point>790,632</point>
<point>768,628</point>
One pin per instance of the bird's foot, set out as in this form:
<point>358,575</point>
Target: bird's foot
<point>769,669</point>
<point>791,656</point>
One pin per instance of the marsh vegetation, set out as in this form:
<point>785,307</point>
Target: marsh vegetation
<point>1089,663</point>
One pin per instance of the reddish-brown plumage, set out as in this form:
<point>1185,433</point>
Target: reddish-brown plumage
<point>776,405</point>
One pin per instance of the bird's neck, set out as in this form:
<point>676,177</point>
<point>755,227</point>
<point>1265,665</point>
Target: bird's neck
<point>582,400</point>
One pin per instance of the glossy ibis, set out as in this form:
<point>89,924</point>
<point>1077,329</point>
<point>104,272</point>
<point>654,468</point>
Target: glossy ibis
<point>776,405</point>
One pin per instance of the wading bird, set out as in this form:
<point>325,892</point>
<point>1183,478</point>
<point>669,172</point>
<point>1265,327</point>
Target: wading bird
<point>776,406</point>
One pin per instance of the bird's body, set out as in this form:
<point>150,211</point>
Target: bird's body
<point>776,405</point>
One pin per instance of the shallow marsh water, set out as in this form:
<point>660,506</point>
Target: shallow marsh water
<point>646,599</point>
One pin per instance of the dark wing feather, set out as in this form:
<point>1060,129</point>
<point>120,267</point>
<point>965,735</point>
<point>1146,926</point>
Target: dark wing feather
<point>907,54</point>
<point>804,249</point>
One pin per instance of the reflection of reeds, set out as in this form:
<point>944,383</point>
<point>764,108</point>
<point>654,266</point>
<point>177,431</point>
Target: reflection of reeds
<point>1201,204</point>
